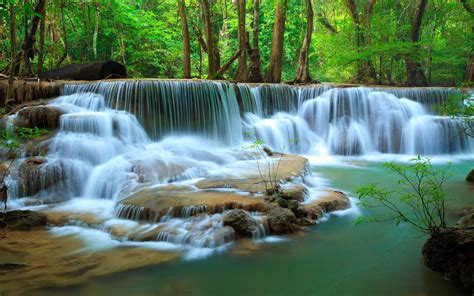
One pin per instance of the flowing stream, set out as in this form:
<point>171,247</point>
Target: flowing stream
<point>116,136</point>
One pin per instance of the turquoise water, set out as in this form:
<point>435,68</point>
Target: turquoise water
<point>332,258</point>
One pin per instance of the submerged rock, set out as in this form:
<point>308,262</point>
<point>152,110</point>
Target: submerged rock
<point>241,222</point>
<point>22,220</point>
<point>281,221</point>
<point>470,177</point>
<point>452,252</point>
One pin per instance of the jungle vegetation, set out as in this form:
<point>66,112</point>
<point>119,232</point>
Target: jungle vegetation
<point>392,42</point>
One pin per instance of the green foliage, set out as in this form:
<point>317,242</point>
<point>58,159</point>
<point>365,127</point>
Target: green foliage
<point>13,138</point>
<point>146,36</point>
<point>418,201</point>
<point>462,107</point>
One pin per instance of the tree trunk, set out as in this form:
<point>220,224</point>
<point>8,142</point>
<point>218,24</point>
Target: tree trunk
<point>186,46</point>
<point>28,49</point>
<point>242,69</point>
<point>255,75</point>
<point>96,30</point>
<point>415,75</point>
<point>469,74</point>
<point>365,69</point>
<point>41,45</point>
<point>276,50</point>
<point>302,72</point>
<point>213,55</point>
<point>11,75</point>
<point>64,29</point>
<point>89,71</point>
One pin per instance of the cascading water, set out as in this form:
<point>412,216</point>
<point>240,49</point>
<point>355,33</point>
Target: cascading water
<point>117,136</point>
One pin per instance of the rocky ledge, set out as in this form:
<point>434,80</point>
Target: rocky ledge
<point>22,220</point>
<point>452,251</point>
<point>285,211</point>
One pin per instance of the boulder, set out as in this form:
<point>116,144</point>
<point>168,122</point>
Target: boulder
<point>470,177</point>
<point>295,192</point>
<point>39,116</point>
<point>281,221</point>
<point>452,252</point>
<point>241,222</point>
<point>22,220</point>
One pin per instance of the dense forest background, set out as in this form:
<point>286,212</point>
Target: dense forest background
<point>396,42</point>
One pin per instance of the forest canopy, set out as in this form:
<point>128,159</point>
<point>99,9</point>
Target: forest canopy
<point>395,42</point>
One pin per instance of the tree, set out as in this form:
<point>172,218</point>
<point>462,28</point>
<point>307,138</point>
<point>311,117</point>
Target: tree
<point>365,69</point>
<point>276,51</point>
<point>255,75</point>
<point>302,72</point>
<point>415,75</point>
<point>186,44</point>
<point>420,200</point>
<point>469,73</point>
<point>27,54</point>
<point>11,71</point>
<point>242,70</point>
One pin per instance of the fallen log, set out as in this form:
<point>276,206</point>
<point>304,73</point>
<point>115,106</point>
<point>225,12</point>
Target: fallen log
<point>90,71</point>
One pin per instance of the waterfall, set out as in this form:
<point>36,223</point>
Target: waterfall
<point>163,107</point>
<point>117,135</point>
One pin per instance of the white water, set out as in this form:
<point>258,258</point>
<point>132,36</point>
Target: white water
<point>186,131</point>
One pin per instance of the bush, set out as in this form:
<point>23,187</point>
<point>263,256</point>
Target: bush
<point>420,200</point>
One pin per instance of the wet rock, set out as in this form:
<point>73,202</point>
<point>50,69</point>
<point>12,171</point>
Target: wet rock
<point>294,192</point>
<point>305,222</point>
<point>452,252</point>
<point>39,116</point>
<point>470,177</point>
<point>466,221</point>
<point>22,220</point>
<point>241,222</point>
<point>282,202</point>
<point>293,205</point>
<point>333,201</point>
<point>300,212</point>
<point>11,266</point>
<point>152,203</point>
<point>291,166</point>
<point>281,221</point>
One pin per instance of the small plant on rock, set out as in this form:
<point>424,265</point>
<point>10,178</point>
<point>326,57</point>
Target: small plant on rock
<point>269,170</point>
<point>419,201</point>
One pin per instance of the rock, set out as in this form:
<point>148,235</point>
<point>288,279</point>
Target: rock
<point>282,202</point>
<point>466,221</point>
<point>281,221</point>
<point>152,203</point>
<point>452,252</point>
<point>294,192</point>
<point>39,116</point>
<point>241,222</point>
<point>305,222</point>
<point>293,205</point>
<point>470,177</point>
<point>22,220</point>
<point>11,266</point>
<point>300,212</point>
<point>291,166</point>
<point>333,201</point>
